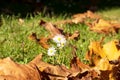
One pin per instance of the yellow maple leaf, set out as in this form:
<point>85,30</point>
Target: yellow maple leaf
<point>111,50</point>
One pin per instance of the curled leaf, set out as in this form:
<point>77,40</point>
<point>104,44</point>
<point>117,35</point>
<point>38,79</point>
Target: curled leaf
<point>51,28</point>
<point>103,26</point>
<point>9,70</point>
<point>75,35</point>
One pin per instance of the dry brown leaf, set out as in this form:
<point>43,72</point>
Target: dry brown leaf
<point>44,42</point>
<point>50,71</point>
<point>77,65</point>
<point>81,18</point>
<point>39,63</point>
<point>103,26</point>
<point>75,35</point>
<point>92,15</point>
<point>87,75</point>
<point>105,75</point>
<point>78,20</point>
<point>78,70</point>
<point>115,75</point>
<point>68,21</point>
<point>9,70</point>
<point>57,72</point>
<point>88,14</point>
<point>33,36</point>
<point>51,28</point>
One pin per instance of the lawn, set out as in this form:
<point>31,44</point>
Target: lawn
<point>15,42</point>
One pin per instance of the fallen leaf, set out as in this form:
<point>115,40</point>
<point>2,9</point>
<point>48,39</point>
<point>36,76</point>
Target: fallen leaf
<point>105,59</point>
<point>103,26</point>
<point>51,28</point>
<point>105,75</point>
<point>75,35</point>
<point>115,75</point>
<point>57,72</point>
<point>33,36</point>
<point>9,70</point>
<point>112,50</point>
<point>95,52</point>
<point>77,65</point>
<point>103,64</point>
<point>81,18</point>
<point>87,75</point>
<point>44,42</point>
<point>92,15</point>
<point>50,71</point>
<point>98,56</point>
<point>68,21</point>
<point>39,63</point>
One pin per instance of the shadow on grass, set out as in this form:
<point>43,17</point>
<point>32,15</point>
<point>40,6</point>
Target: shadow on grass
<point>56,7</point>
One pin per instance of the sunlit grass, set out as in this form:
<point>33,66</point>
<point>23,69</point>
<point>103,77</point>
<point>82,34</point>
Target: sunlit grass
<point>113,13</point>
<point>14,40</point>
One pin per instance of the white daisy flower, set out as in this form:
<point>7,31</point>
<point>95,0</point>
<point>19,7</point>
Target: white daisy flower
<point>59,38</point>
<point>60,45</point>
<point>51,51</point>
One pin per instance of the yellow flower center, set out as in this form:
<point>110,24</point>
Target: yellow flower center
<point>59,39</point>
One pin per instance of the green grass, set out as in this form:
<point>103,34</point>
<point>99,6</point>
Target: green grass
<point>112,13</point>
<point>14,40</point>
